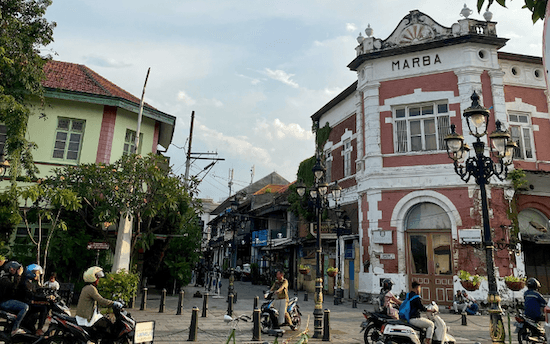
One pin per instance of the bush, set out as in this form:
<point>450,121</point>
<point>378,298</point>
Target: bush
<point>121,285</point>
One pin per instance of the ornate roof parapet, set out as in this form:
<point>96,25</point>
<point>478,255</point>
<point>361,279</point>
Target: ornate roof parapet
<point>419,28</point>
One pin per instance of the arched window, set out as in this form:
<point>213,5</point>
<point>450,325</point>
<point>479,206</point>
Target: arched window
<point>427,216</point>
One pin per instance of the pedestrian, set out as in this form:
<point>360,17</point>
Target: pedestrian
<point>52,282</point>
<point>471,305</point>
<point>459,304</point>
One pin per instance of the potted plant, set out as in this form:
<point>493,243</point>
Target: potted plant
<point>468,281</point>
<point>304,269</point>
<point>514,283</point>
<point>332,271</point>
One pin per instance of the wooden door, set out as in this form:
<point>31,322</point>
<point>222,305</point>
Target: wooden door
<point>429,262</point>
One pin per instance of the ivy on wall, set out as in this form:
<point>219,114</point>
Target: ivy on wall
<point>519,183</point>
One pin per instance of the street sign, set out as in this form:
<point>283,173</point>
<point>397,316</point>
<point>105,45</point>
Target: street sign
<point>144,332</point>
<point>98,246</point>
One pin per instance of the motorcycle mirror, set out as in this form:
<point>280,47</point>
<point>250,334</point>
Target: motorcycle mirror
<point>227,318</point>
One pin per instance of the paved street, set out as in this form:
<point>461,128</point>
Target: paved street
<point>344,320</point>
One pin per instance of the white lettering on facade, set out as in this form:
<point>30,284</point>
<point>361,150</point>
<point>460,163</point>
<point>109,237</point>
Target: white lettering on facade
<point>415,62</point>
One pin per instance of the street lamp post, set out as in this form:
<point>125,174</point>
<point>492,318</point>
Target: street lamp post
<point>343,228</point>
<point>482,168</point>
<point>319,194</point>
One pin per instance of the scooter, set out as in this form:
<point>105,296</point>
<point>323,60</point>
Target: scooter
<point>270,315</point>
<point>399,331</point>
<point>372,325</point>
<point>529,330</point>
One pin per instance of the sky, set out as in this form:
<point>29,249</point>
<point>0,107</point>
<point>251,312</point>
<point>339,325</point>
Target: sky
<point>253,71</point>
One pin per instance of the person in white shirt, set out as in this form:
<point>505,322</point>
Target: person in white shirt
<point>51,282</point>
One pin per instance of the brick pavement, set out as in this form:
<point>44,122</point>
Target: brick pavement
<point>344,320</point>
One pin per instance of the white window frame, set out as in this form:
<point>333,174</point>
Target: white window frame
<point>347,157</point>
<point>68,143</point>
<point>406,115</point>
<point>328,166</point>
<point>522,121</point>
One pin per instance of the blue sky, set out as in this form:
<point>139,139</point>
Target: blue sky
<point>253,71</point>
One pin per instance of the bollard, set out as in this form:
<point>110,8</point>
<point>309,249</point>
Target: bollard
<point>230,306</point>
<point>235,298</point>
<point>132,302</point>
<point>354,303</point>
<point>305,296</point>
<point>162,300</point>
<point>143,300</point>
<point>194,325</point>
<point>256,301</point>
<point>205,306</point>
<point>326,326</point>
<point>256,330</point>
<point>464,320</point>
<point>180,302</point>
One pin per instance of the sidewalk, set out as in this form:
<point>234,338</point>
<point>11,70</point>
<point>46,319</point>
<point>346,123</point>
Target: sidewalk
<point>344,320</point>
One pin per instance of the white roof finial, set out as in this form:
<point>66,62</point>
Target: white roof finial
<point>466,12</point>
<point>360,38</point>
<point>369,31</point>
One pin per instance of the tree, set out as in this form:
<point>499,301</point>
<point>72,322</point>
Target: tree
<point>537,7</point>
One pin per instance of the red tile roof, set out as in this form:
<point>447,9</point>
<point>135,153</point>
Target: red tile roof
<point>79,78</point>
<point>270,188</point>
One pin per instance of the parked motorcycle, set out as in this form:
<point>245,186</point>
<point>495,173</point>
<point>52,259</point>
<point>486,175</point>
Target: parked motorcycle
<point>372,325</point>
<point>528,330</point>
<point>398,331</point>
<point>64,329</point>
<point>270,315</point>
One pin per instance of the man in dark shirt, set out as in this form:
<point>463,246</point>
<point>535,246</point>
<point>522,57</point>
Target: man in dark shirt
<point>416,308</point>
<point>8,288</point>
<point>534,302</point>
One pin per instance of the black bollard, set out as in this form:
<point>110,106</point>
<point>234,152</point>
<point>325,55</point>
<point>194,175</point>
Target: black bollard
<point>132,302</point>
<point>256,330</point>
<point>162,300</point>
<point>205,306</point>
<point>464,320</point>
<point>194,325</point>
<point>256,301</point>
<point>326,326</point>
<point>354,303</point>
<point>305,296</point>
<point>143,300</point>
<point>180,302</point>
<point>230,306</point>
<point>235,298</point>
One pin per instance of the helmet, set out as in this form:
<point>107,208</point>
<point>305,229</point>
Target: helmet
<point>533,283</point>
<point>30,271</point>
<point>93,274</point>
<point>11,265</point>
<point>387,284</point>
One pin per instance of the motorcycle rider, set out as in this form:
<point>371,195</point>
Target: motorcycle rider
<point>280,288</point>
<point>87,313</point>
<point>416,308</point>
<point>28,293</point>
<point>9,283</point>
<point>534,302</point>
<point>390,302</point>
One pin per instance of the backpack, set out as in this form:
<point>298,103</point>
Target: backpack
<point>405,308</point>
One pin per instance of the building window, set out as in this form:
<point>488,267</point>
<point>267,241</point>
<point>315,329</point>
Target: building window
<point>522,135</point>
<point>130,142</point>
<point>68,139</point>
<point>421,127</point>
<point>328,166</point>
<point>347,158</point>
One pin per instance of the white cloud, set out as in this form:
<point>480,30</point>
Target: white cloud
<point>351,27</point>
<point>217,103</point>
<point>185,98</point>
<point>253,81</point>
<point>282,76</point>
<point>100,61</point>
<point>292,129</point>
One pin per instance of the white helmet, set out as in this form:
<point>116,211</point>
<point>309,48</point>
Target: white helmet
<point>93,274</point>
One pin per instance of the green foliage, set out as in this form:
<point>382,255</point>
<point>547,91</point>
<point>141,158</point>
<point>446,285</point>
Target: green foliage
<point>537,7</point>
<point>332,269</point>
<point>304,267</point>
<point>322,136</point>
<point>514,279</point>
<point>23,31</point>
<point>299,205</point>
<point>121,285</point>
<point>466,276</point>
<point>519,183</point>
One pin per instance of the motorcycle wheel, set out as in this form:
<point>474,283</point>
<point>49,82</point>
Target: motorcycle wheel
<point>524,334</point>
<point>265,323</point>
<point>372,334</point>
<point>60,337</point>
<point>296,320</point>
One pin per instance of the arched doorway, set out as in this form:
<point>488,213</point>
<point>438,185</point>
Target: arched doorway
<point>429,256</point>
<point>535,239</point>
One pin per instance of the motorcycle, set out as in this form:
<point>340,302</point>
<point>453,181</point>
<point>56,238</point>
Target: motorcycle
<point>528,330</point>
<point>372,325</point>
<point>270,315</point>
<point>399,331</point>
<point>64,329</point>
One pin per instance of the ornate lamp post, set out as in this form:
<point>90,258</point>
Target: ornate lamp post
<point>343,228</point>
<point>318,193</point>
<point>482,168</point>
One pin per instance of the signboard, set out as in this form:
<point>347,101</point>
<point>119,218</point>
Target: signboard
<point>382,237</point>
<point>387,255</point>
<point>469,236</point>
<point>259,238</point>
<point>144,332</point>
<point>350,253</point>
<point>98,246</point>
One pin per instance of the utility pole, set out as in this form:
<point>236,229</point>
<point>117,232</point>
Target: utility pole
<point>252,174</point>
<point>230,180</point>
<point>188,161</point>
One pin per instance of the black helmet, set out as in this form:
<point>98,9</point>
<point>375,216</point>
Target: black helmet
<point>11,265</point>
<point>387,284</point>
<point>533,283</point>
